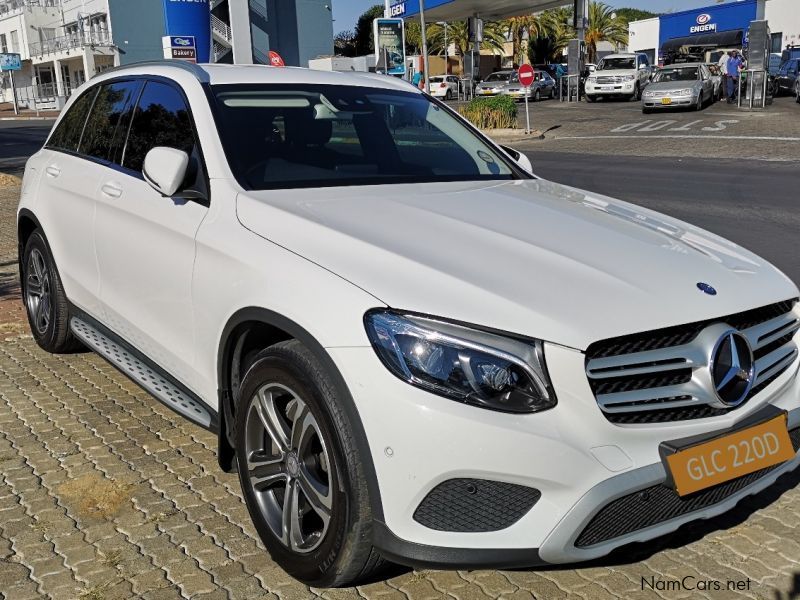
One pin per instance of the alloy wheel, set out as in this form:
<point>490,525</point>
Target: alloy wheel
<point>38,298</point>
<point>288,467</point>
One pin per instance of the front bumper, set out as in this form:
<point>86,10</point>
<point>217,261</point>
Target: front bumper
<point>578,460</point>
<point>676,102</point>
<point>612,89</point>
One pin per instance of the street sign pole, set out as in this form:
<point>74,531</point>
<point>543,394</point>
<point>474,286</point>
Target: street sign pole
<point>527,114</point>
<point>14,93</point>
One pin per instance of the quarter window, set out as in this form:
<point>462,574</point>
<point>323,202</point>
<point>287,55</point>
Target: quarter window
<point>67,135</point>
<point>109,119</point>
<point>161,118</point>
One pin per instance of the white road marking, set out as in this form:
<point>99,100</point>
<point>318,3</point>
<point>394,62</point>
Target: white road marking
<point>678,136</point>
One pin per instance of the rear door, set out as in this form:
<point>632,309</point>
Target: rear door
<point>66,205</point>
<point>146,242</point>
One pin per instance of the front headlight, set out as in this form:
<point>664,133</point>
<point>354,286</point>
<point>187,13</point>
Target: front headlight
<point>592,79</point>
<point>464,364</point>
<point>686,92</point>
<point>649,94</point>
<point>628,77</point>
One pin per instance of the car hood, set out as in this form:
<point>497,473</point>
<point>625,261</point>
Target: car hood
<point>530,257</point>
<point>615,73</point>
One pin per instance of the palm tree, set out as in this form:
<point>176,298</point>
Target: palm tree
<point>604,26</point>
<point>516,28</point>
<point>554,32</point>
<point>494,37</point>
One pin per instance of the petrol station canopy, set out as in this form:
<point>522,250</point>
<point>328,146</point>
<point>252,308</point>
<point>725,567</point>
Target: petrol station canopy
<point>453,10</point>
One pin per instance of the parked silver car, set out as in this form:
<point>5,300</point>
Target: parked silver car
<point>544,86</point>
<point>496,84</point>
<point>683,85</point>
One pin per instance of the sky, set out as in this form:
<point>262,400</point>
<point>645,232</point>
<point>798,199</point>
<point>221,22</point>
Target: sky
<point>346,12</point>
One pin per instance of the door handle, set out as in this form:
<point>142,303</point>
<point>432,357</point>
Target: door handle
<point>53,171</point>
<point>112,190</point>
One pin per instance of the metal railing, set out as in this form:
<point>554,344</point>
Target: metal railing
<point>68,42</point>
<point>221,28</point>
<point>756,80</point>
<point>220,50</point>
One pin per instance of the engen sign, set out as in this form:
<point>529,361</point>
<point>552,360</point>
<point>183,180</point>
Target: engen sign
<point>190,18</point>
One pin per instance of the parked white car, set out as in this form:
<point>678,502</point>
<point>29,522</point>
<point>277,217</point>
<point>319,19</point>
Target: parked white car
<point>411,348</point>
<point>619,75</point>
<point>444,87</point>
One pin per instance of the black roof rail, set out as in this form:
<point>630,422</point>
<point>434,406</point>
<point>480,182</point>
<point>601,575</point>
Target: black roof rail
<point>200,74</point>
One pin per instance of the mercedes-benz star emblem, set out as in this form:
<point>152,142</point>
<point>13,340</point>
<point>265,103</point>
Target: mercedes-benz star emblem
<point>732,368</point>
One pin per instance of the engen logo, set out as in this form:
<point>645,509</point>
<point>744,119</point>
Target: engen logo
<point>397,10</point>
<point>703,24</point>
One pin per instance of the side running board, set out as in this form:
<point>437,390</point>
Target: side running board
<point>145,374</point>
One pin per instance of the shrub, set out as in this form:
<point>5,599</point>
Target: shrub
<point>498,112</point>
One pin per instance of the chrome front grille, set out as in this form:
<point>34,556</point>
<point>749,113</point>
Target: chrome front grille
<point>665,375</point>
<point>610,79</point>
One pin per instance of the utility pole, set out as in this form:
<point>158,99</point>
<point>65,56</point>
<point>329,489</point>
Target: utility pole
<point>426,74</point>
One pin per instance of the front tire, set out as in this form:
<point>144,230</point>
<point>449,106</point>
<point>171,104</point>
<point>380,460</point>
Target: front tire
<point>700,103</point>
<point>45,301</point>
<point>300,471</point>
<point>591,99</point>
<point>797,92</point>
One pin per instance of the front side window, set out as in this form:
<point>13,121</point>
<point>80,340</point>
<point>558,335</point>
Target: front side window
<point>108,121</point>
<point>284,136</point>
<point>67,135</point>
<point>161,118</point>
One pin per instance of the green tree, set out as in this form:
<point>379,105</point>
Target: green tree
<point>494,37</point>
<point>364,44</point>
<point>603,27</point>
<point>634,14</point>
<point>344,43</point>
<point>520,29</point>
<point>553,35</point>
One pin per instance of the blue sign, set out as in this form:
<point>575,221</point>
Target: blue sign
<point>407,8</point>
<point>186,20</point>
<point>735,16</point>
<point>182,41</point>
<point>10,62</point>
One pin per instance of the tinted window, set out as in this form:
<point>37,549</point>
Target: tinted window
<point>280,136</point>
<point>161,118</point>
<point>67,135</point>
<point>110,114</point>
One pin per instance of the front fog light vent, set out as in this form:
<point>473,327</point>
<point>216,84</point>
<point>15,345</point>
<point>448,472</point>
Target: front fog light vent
<point>475,505</point>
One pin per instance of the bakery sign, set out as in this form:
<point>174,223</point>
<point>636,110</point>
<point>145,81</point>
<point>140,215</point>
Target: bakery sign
<point>704,24</point>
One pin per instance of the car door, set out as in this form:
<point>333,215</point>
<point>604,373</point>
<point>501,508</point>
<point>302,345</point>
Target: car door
<point>68,184</point>
<point>146,242</point>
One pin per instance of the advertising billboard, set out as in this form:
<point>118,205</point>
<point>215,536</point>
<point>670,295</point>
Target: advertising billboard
<point>10,62</point>
<point>180,47</point>
<point>390,48</point>
<point>190,19</point>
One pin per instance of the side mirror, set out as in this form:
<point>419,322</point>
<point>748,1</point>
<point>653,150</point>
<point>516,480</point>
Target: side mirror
<point>519,158</point>
<point>165,169</point>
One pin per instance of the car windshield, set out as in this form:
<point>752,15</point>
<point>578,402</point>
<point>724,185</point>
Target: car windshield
<point>681,74</point>
<point>289,136</point>
<point>612,64</point>
<point>499,77</point>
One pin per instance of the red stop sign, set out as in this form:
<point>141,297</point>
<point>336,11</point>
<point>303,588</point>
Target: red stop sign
<point>526,75</point>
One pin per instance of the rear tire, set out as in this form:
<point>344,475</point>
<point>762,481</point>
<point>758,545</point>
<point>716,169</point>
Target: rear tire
<point>45,301</point>
<point>590,98</point>
<point>537,95</point>
<point>300,471</point>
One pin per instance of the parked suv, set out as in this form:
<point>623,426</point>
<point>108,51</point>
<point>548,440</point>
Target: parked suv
<point>788,77</point>
<point>619,75</point>
<point>410,347</point>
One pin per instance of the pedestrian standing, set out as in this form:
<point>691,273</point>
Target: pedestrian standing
<point>723,69</point>
<point>734,68</point>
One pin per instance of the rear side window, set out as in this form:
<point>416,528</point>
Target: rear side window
<point>109,119</point>
<point>161,118</point>
<point>67,135</point>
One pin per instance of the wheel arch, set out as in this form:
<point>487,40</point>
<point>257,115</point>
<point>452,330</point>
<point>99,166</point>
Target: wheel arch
<point>27,223</point>
<point>252,329</point>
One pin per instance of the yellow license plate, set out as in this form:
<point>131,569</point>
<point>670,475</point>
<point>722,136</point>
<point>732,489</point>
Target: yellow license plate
<point>731,456</point>
<point>666,101</point>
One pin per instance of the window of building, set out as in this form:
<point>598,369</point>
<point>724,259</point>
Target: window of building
<point>161,118</point>
<point>776,42</point>
<point>67,135</point>
<point>14,36</point>
<point>110,114</point>
<point>3,44</point>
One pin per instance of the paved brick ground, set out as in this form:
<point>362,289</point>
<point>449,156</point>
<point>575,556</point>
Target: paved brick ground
<point>107,494</point>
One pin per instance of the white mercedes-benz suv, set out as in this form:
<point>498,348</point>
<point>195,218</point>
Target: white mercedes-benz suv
<point>412,348</point>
